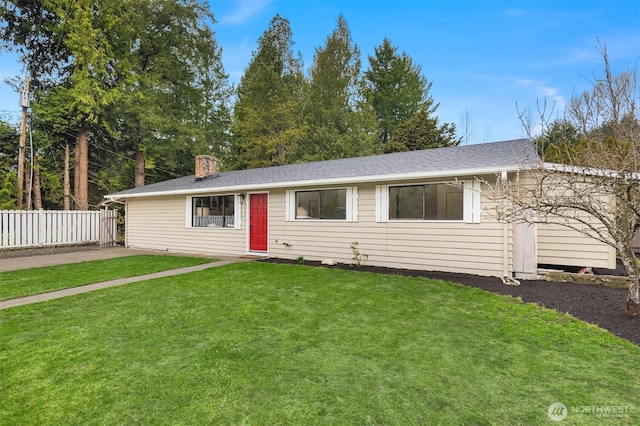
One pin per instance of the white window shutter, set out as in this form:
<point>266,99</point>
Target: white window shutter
<point>382,203</point>
<point>467,202</point>
<point>189,214</point>
<point>472,196</point>
<point>477,197</point>
<point>288,202</point>
<point>352,204</point>
<point>237,211</point>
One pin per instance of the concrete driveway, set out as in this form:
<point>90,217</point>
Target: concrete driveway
<point>34,258</point>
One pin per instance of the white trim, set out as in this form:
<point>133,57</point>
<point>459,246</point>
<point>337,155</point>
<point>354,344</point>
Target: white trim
<point>351,204</point>
<point>470,203</point>
<point>589,171</point>
<point>237,215</point>
<point>342,181</point>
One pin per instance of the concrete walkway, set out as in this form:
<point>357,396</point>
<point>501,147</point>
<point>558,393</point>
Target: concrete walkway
<point>93,254</point>
<point>83,254</point>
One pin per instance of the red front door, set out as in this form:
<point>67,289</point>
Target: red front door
<point>258,222</point>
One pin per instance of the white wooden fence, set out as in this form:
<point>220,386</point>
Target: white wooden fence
<point>37,228</point>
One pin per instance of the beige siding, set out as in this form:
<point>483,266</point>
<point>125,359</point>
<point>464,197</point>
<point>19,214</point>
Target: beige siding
<point>160,223</point>
<point>484,248</point>
<point>559,245</point>
<point>446,246</point>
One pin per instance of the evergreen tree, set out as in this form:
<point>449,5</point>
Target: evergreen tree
<point>31,29</point>
<point>143,82</point>
<point>422,131</point>
<point>175,90</point>
<point>9,142</point>
<point>267,130</point>
<point>340,123</point>
<point>558,141</point>
<point>396,89</point>
<point>84,88</point>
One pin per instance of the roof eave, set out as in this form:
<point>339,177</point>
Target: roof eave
<point>393,177</point>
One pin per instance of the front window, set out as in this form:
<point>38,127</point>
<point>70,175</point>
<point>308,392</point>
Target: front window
<point>438,201</point>
<point>321,204</point>
<point>214,211</point>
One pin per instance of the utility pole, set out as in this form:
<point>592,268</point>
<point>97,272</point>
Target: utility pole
<point>24,103</point>
<point>67,186</point>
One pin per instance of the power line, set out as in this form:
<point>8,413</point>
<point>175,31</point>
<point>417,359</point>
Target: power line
<point>116,153</point>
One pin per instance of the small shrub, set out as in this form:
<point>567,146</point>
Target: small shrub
<point>358,258</point>
<point>300,259</point>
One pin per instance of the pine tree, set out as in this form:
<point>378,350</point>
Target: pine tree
<point>340,123</point>
<point>422,131</point>
<point>396,89</point>
<point>9,141</point>
<point>267,130</point>
<point>141,82</point>
<point>176,92</point>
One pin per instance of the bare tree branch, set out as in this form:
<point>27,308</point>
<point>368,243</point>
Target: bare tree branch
<point>597,191</point>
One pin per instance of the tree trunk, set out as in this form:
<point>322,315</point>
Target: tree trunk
<point>67,184</point>
<point>139,169</point>
<point>81,179</point>
<point>633,295</point>
<point>37,193</point>
<point>632,298</point>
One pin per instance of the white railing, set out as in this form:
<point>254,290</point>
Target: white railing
<point>36,228</point>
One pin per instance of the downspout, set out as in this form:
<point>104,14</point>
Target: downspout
<point>506,276</point>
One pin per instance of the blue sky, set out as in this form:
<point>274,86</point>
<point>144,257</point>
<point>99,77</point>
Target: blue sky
<point>483,57</point>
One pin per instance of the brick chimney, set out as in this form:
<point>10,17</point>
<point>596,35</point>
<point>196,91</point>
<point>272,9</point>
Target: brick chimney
<point>206,167</point>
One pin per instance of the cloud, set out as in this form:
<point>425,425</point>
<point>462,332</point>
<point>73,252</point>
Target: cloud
<point>532,89</point>
<point>558,101</point>
<point>575,56</point>
<point>553,94</point>
<point>620,46</point>
<point>245,9</point>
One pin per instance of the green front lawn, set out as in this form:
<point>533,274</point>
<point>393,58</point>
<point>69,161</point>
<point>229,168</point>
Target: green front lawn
<point>256,343</point>
<point>26,282</point>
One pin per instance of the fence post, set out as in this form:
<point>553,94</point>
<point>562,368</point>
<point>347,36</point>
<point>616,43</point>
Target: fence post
<point>42,228</point>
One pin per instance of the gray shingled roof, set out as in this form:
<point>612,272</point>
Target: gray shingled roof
<point>490,156</point>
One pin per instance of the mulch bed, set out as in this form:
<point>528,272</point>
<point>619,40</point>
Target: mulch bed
<point>595,304</point>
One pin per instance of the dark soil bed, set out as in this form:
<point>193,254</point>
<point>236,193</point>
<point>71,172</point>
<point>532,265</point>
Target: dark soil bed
<point>595,304</point>
<point>43,251</point>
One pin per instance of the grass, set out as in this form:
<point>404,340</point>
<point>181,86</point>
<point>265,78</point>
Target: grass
<point>256,343</point>
<point>27,282</point>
